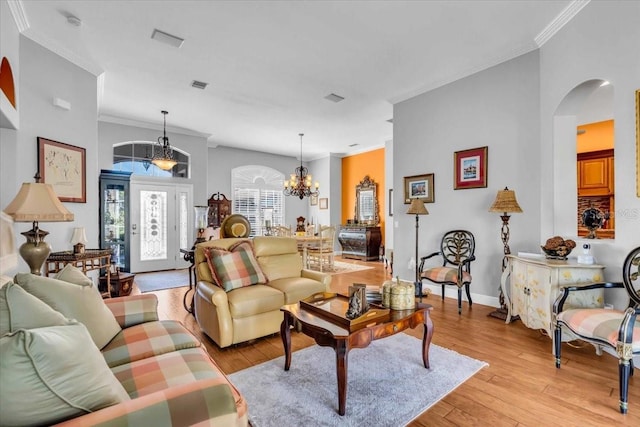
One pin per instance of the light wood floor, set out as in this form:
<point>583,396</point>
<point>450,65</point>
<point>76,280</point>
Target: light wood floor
<point>520,387</point>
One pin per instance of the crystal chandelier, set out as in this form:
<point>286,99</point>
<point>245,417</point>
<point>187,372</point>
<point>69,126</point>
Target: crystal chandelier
<point>300,182</point>
<point>164,157</point>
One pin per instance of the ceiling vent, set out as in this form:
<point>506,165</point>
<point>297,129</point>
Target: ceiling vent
<point>199,85</point>
<point>333,97</point>
<point>167,38</point>
<point>353,145</point>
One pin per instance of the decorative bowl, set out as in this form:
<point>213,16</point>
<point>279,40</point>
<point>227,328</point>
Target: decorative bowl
<point>558,248</point>
<point>562,252</point>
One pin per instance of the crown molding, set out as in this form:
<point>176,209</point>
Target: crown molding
<point>105,118</point>
<point>19,16</point>
<point>560,21</point>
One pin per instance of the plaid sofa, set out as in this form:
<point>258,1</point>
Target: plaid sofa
<point>167,372</point>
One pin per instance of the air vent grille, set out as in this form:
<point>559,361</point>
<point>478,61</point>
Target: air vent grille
<point>199,85</point>
<point>334,98</point>
<point>167,38</point>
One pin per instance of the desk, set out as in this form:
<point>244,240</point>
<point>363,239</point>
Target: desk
<point>189,256</point>
<point>91,259</point>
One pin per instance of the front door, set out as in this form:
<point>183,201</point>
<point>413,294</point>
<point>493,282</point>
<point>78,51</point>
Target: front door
<point>160,225</point>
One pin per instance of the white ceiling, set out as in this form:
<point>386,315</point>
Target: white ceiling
<point>269,64</point>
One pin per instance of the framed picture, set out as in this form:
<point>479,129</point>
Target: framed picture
<point>391,202</point>
<point>324,203</point>
<point>470,168</point>
<point>313,200</point>
<point>419,187</point>
<point>64,167</point>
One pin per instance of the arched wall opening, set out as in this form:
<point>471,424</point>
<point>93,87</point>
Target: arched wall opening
<point>589,102</point>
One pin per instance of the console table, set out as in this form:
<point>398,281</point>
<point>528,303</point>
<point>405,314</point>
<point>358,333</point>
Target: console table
<point>535,284</point>
<point>91,259</point>
<point>361,243</point>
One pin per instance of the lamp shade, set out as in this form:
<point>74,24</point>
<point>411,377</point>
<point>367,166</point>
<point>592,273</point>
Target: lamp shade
<point>505,202</point>
<point>37,202</point>
<point>79,236</point>
<point>417,208</point>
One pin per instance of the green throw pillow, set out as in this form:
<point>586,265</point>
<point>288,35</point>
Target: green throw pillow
<point>52,374</point>
<point>72,274</point>
<point>21,310</point>
<point>82,303</point>
<point>236,267</point>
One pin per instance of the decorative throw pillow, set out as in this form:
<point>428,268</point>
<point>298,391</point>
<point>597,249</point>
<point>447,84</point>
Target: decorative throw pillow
<point>21,310</point>
<point>82,303</point>
<point>236,267</point>
<point>72,274</point>
<point>52,374</point>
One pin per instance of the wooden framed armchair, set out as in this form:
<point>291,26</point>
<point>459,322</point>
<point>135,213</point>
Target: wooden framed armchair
<point>320,255</point>
<point>615,330</point>
<point>457,249</point>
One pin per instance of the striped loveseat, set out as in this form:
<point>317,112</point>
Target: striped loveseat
<point>69,357</point>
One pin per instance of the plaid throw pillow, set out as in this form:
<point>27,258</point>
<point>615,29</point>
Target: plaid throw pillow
<point>235,267</point>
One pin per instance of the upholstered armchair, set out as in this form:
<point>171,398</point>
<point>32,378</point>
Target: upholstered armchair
<point>457,249</point>
<point>615,330</point>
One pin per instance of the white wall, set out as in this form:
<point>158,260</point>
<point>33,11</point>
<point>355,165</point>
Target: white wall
<point>223,159</point>
<point>601,42</point>
<point>497,108</point>
<point>112,133</point>
<point>43,76</point>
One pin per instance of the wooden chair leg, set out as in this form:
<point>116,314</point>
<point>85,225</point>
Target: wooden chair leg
<point>557,344</point>
<point>459,300</point>
<point>466,287</point>
<point>624,369</point>
<point>442,292</point>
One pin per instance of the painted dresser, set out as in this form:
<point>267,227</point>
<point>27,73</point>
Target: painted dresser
<point>535,283</point>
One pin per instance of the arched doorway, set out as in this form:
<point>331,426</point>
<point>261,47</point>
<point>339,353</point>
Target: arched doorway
<point>585,105</point>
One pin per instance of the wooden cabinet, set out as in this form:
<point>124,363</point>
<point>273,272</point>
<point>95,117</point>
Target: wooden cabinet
<point>595,173</point>
<point>361,243</point>
<point>535,284</point>
<point>219,209</point>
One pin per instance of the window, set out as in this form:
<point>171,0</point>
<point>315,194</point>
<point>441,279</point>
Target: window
<point>135,156</point>
<point>257,194</point>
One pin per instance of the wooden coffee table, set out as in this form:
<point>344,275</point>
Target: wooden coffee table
<point>331,334</point>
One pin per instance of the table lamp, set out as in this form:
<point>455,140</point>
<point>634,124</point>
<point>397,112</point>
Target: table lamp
<point>36,202</point>
<point>79,240</point>
<point>504,203</point>
<point>417,208</point>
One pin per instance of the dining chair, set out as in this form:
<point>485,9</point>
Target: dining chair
<point>609,329</point>
<point>281,231</point>
<point>320,253</point>
<point>457,249</point>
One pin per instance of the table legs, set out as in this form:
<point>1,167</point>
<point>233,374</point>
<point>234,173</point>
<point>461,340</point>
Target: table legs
<point>341,372</point>
<point>285,334</point>
<point>426,338</point>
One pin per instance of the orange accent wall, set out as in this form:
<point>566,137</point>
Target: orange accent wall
<point>598,136</point>
<point>354,169</point>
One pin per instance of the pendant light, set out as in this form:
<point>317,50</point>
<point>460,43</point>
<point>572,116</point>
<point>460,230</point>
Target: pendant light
<point>163,158</point>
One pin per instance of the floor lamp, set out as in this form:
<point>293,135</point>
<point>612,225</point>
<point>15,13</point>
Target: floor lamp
<point>36,202</point>
<point>417,208</point>
<point>504,203</point>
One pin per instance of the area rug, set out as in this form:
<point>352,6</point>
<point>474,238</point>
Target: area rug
<point>156,281</point>
<point>387,384</point>
<point>347,267</point>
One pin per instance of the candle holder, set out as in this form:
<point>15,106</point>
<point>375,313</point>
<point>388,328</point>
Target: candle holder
<point>201,215</point>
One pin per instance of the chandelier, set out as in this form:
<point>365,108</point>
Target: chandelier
<point>300,182</point>
<point>164,157</point>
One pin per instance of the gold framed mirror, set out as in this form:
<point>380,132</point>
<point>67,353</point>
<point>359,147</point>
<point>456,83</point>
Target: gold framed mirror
<point>366,210</point>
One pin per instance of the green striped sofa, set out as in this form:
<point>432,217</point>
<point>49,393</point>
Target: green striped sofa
<point>167,372</point>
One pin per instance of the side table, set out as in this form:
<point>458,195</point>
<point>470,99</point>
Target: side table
<point>189,256</point>
<point>91,259</point>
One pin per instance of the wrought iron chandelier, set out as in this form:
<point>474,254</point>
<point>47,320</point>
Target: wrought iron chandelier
<point>164,157</point>
<point>299,184</point>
